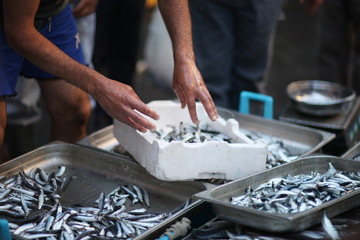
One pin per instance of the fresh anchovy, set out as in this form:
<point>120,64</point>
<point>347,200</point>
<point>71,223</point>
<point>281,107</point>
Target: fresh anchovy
<point>101,201</point>
<point>329,228</point>
<point>138,193</point>
<point>278,154</point>
<point>190,133</point>
<point>146,197</point>
<point>297,193</point>
<point>24,191</point>
<point>24,227</point>
<point>5,193</point>
<point>30,203</point>
<point>61,171</point>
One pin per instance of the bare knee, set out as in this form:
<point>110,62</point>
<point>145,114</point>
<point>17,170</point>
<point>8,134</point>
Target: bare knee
<point>69,121</point>
<point>75,114</point>
<point>2,134</point>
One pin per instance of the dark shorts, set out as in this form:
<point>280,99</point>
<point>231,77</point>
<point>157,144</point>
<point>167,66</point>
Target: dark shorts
<point>61,31</point>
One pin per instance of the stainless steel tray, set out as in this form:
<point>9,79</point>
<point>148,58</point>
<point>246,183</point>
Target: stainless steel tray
<point>353,152</point>
<point>103,139</point>
<point>220,196</point>
<point>299,140</point>
<point>97,171</point>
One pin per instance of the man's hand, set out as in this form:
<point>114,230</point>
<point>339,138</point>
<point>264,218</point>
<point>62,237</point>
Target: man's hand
<point>187,81</point>
<point>117,99</point>
<point>312,5</point>
<point>189,85</point>
<point>121,102</point>
<point>84,8</point>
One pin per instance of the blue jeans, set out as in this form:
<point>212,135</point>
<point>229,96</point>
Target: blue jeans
<point>231,39</point>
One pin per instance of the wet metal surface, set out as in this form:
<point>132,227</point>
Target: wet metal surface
<point>95,172</point>
<point>220,197</point>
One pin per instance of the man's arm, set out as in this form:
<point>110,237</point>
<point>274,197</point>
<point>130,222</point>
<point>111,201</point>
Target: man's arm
<point>118,100</point>
<point>187,80</point>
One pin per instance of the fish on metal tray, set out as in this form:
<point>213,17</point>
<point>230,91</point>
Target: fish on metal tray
<point>278,153</point>
<point>292,194</point>
<point>30,203</point>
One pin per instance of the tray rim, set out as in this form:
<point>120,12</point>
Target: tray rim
<point>326,136</point>
<point>26,159</point>
<point>285,218</point>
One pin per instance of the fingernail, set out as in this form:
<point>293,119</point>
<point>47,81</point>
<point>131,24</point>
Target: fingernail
<point>214,117</point>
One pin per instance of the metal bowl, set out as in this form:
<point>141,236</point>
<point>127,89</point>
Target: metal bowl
<point>319,98</point>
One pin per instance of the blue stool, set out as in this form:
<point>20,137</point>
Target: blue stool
<point>4,230</point>
<point>245,97</point>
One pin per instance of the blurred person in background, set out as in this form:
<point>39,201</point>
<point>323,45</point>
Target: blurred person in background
<point>231,40</point>
<point>85,17</point>
<point>339,42</point>
<point>231,44</point>
<point>65,80</point>
<point>117,43</point>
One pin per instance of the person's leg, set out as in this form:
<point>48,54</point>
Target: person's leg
<point>3,148</point>
<point>212,24</point>
<point>334,42</point>
<point>69,109</point>
<point>116,48</point>
<point>354,14</point>
<point>253,28</point>
<point>125,41</point>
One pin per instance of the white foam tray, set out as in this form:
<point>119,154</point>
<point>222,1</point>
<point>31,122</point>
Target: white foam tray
<point>177,160</point>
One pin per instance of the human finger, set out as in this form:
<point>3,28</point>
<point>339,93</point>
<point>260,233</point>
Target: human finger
<point>191,104</point>
<point>145,109</point>
<point>135,120</point>
<point>209,105</point>
<point>131,123</point>
<point>181,96</point>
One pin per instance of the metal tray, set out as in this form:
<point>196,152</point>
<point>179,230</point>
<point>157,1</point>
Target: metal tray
<point>299,140</point>
<point>353,152</point>
<point>103,139</point>
<point>202,217</point>
<point>220,196</point>
<point>97,171</point>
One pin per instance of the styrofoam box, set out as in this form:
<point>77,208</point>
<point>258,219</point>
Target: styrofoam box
<point>173,161</point>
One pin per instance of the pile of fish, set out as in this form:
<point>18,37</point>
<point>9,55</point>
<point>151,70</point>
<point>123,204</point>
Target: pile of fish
<point>190,133</point>
<point>31,204</point>
<point>278,154</point>
<point>292,194</point>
